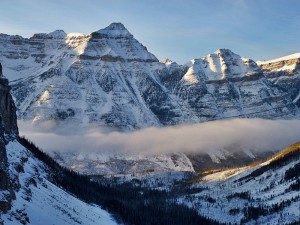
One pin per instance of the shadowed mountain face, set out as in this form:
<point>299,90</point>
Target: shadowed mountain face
<point>109,78</point>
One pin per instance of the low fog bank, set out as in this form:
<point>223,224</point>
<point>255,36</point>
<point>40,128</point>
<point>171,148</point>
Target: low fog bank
<point>237,134</point>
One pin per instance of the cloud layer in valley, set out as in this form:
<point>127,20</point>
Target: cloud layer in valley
<point>237,134</point>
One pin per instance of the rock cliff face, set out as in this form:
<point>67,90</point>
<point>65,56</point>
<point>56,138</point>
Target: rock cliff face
<point>285,74</point>
<point>6,193</point>
<point>8,131</point>
<point>109,78</point>
<point>7,109</point>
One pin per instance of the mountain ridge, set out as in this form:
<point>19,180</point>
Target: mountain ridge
<point>159,94</point>
<point>284,72</point>
<point>264,193</point>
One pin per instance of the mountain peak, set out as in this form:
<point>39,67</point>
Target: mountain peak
<point>224,51</point>
<point>57,34</point>
<point>115,30</point>
<point>166,61</point>
<point>116,26</point>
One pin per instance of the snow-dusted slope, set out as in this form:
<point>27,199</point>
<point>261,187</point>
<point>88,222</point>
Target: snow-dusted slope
<point>284,72</point>
<point>123,164</point>
<point>8,132</point>
<point>284,58</point>
<point>264,194</point>
<point>38,201</point>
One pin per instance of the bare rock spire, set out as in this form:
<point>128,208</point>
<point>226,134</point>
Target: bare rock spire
<point>1,73</point>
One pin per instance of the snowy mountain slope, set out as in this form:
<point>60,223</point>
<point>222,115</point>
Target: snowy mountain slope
<point>284,73</point>
<point>108,164</point>
<point>267,193</point>
<point>224,158</point>
<point>38,201</point>
<point>279,60</point>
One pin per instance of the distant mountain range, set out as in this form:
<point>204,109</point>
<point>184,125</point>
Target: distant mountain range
<point>108,78</point>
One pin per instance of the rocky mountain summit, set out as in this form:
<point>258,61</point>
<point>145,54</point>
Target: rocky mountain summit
<point>224,85</point>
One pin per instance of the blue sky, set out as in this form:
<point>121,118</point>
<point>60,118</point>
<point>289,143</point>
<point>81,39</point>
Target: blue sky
<point>177,29</point>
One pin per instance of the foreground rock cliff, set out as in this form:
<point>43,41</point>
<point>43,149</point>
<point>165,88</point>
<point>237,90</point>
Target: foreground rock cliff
<point>8,132</point>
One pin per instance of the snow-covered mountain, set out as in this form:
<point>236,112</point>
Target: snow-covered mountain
<point>102,78</point>
<point>108,78</point>
<point>224,85</point>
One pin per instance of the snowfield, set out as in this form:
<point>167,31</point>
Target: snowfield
<point>38,201</point>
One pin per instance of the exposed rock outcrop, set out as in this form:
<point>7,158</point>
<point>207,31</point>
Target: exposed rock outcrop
<point>285,74</point>
<point>7,109</point>
<point>8,131</point>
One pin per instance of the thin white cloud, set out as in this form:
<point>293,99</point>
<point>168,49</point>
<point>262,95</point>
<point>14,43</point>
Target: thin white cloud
<point>243,134</point>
